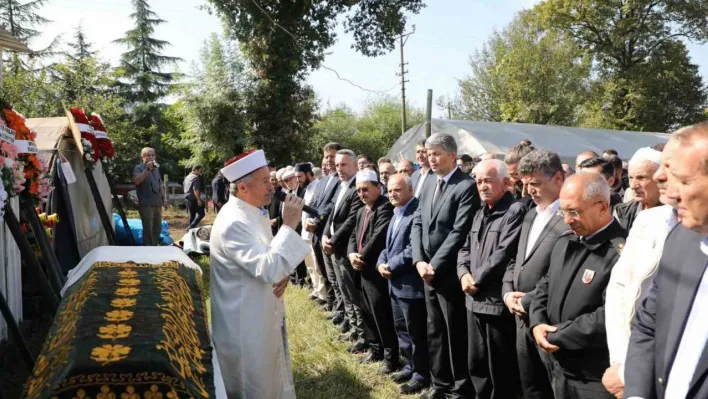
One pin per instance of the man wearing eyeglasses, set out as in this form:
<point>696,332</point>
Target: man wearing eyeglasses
<point>567,314</point>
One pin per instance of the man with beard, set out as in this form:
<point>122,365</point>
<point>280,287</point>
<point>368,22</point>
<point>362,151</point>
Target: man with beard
<point>568,312</point>
<point>490,247</point>
<point>631,275</point>
<point>642,168</point>
<point>541,229</point>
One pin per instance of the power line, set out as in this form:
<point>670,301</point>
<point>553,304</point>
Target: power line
<point>322,65</point>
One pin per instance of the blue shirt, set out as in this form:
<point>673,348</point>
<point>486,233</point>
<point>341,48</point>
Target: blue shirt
<point>398,214</point>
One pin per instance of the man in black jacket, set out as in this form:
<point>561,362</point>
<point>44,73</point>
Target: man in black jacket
<point>366,242</point>
<point>542,226</point>
<point>440,227</point>
<point>511,160</point>
<point>568,312</point>
<point>324,205</point>
<point>489,249</point>
<point>220,191</point>
<point>335,242</point>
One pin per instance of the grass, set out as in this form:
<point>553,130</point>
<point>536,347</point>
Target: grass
<point>322,368</point>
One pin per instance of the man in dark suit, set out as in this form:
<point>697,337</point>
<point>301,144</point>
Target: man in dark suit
<point>568,311</point>
<point>543,172</point>
<point>366,242</point>
<point>668,356</point>
<point>489,249</point>
<point>324,195</point>
<point>219,191</point>
<point>335,242</point>
<point>423,174</point>
<point>405,288</point>
<point>439,230</point>
<point>512,158</point>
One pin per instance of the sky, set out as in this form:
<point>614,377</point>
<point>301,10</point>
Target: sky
<point>447,32</point>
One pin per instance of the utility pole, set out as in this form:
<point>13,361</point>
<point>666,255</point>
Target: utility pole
<point>402,40</point>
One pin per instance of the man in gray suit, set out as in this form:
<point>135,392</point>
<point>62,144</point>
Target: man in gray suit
<point>421,175</point>
<point>543,172</point>
<point>668,356</point>
<point>440,227</point>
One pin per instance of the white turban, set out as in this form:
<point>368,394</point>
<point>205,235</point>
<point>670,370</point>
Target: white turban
<point>366,175</point>
<point>646,154</point>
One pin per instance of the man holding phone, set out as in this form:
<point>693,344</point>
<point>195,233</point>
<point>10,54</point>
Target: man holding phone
<point>151,196</point>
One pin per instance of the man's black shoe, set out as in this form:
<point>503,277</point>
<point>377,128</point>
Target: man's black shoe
<point>414,386</point>
<point>371,357</point>
<point>402,377</point>
<point>388,367</point>
<point>359,346</point>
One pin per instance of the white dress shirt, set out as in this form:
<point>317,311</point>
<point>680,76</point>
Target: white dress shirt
<point>343,189</point>
<point>539,223</point>
<point>307,198</point>
<point>639,260</point>
<point>421,180</point>
<point>693,340</point>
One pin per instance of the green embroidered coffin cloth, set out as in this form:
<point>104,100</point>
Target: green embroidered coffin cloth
<point>128,331</point>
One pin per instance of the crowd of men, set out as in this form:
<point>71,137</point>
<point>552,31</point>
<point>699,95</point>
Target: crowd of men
<point>476,277</point>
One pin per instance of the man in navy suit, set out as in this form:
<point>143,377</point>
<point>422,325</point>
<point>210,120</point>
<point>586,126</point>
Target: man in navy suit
<point>323,202</point>
<point>405,288</point>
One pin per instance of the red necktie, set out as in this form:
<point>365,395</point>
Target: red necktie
<point>363,228</point>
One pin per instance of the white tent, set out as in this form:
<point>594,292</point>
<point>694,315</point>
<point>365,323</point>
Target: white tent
<point>54,135</point>
<point>476,138</point>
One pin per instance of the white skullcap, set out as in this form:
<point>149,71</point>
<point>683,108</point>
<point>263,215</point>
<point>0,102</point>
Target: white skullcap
<point>366,175</point>
<point>288,173</point>
<point>244,164</point>
<point>646,154</point>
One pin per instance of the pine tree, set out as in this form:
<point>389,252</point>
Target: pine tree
<point>142,64</point>
<point>22,21</point>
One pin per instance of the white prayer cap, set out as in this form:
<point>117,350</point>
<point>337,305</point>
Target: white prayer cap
<point>646,154</point>
<point>366,175</point>
<point>288,173</point>
<point>243,164</point>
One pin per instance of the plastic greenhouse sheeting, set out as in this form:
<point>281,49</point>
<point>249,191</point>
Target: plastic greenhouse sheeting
<point>136,226</point>
<point>475,138</point>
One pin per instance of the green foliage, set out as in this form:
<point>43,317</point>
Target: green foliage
<point>213,107</point>
<point>646,81</point>
<point>281,107</point>
<point>373,132</point>
<point>141,66</point>
<point>523,74</point>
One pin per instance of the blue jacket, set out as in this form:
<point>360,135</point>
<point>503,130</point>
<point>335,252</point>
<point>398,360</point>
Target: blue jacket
<point>398,254</point>
<point>323,201</point>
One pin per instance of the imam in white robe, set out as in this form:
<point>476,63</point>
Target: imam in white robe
<point>248,321</point>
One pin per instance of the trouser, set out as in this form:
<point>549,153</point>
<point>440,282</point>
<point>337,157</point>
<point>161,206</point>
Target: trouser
<point>492,355</point>
<point>349,283</point>
<point>330,295</point>
<point>409,319</point>
<point>447,337</point>
<point>318,285</point>
<point>196,213</point>
<point>151,216</point>
<point>299,275</point>
<point>566,387</point>
<point>535,366</point>
<point>378,317</point>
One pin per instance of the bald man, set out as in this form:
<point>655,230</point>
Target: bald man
<point>584,156</point>
<point>567,314</point>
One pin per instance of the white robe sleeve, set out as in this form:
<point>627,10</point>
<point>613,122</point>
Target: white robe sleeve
<point>269,263</point>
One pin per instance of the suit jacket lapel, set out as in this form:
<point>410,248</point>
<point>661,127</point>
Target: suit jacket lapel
<point>523,241</point>
<point>447,188</point>
<point>701,370</point>
<point>689,281</point>
<point>574,255</point>
<point>546,229</point>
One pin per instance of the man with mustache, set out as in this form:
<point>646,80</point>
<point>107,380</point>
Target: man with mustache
<point>642,168</point>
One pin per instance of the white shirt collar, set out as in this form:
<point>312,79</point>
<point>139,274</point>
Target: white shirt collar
<point>550,209</point>
<point>348,183</point>
<point>449,175</point>
<point>704,245</point>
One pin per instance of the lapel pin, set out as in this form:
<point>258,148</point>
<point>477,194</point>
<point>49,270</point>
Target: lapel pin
<point>588,276</point>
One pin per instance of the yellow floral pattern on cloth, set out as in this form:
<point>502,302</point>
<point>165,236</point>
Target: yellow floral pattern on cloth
<point>114,331</point>
<point>129,282</point>
<point>127,291</point>
<point>110,353</point>
<point>123,303</point>
<point>119,315</point>
<point>181,341</point>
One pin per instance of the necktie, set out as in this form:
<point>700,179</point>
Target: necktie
<point>438,191</point>
<point>363,229</point>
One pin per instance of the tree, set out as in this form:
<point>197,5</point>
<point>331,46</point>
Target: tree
<point>630,42</point>
<point>142,64</point>
<point>527,75</point>
<point>213,106</point>
<point>283,41</point>
<point>23,21</point>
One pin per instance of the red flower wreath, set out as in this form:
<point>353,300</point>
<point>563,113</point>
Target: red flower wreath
<point>80,117</point>
<point>104,143</point>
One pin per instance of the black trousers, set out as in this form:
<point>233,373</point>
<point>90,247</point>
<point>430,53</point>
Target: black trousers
<point>298,277</point>
<point>447,337</point>
<point>378,317</point>
<point>409,319</point>
<point>196,213</point>
<point>535,366</point>
<point>492,355</point>
<point>350,284</point>
<point>322,267</point>
<point>567,387</point>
